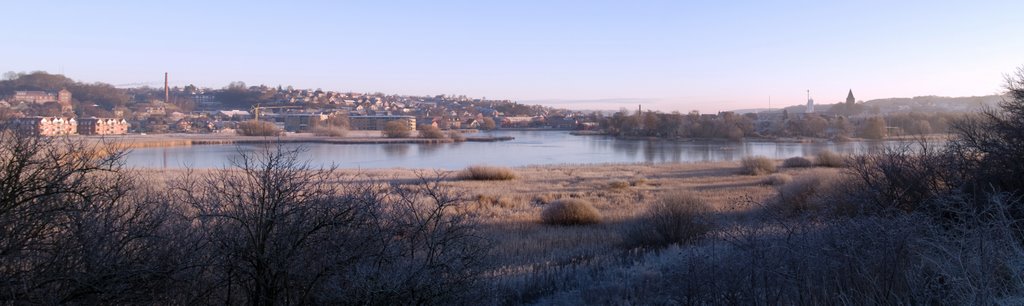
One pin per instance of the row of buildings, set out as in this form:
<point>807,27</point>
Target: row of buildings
<point>54,126</point>
<point>199,111</point>
<point>61,125</point>
<point>62,97</point>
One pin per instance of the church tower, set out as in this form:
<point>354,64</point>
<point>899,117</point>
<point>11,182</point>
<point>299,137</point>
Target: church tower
<point>849,98</point>
<point>810,103</point>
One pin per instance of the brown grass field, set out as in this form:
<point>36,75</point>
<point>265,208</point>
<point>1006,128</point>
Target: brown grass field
<point>511,210</point>
<point>619,191</point>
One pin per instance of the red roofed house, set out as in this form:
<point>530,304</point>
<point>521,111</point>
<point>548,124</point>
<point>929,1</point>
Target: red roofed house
<point>47,126</point>
<point>102,126</point>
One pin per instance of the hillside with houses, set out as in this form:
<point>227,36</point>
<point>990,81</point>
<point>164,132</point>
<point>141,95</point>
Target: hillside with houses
<point>54,104</point>
<point>44,97</point>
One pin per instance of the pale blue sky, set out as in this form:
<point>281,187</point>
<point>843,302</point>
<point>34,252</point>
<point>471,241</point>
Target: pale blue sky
<point>667,55</point>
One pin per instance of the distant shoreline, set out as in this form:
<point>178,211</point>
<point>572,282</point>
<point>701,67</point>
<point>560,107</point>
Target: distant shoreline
<point>135,141</point>
<point>929,137</point>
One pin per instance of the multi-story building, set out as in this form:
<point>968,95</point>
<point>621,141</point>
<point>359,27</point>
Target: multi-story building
<point>102,126</point>
<point>302,122</point>
<point>377,122</point>
<point>62,97</point>
<point>47,126</point>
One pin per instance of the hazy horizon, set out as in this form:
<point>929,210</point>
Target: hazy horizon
<point>583,55</point>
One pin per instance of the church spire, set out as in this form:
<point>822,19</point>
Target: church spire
<point>810,103</point>
<point>849,98</point>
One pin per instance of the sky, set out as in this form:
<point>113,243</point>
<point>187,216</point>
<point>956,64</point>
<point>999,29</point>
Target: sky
<point>666,55</point>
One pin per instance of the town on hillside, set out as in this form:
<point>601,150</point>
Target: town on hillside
<point>49,104</point>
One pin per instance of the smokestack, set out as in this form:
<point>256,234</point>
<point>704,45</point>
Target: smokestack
<point>167,90</point>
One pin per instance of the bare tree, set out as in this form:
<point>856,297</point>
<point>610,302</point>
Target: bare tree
<point>274,227</point>
<point>428,252</point>
<point>903,178</point>
<point>277,231</point>
<point>397,129</point>
<point>73,227</point>
<point>874,128</point>
<point>991,146</point>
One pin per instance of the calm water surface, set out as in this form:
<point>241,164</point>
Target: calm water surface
<point>529,148</point>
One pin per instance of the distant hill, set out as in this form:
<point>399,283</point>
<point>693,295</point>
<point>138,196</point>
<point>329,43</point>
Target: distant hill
<point>922,104</point>
<point>935,104</point>
<point>752,110</point>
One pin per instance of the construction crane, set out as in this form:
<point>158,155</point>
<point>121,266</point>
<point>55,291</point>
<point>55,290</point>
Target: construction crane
<point>139,84</point>
<point>257,108</point>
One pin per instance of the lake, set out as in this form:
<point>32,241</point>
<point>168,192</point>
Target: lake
<point>528,148</point>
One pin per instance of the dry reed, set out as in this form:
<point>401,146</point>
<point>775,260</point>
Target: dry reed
<point>757,165</point>
<point>571,212</point>
<point>488,173</point>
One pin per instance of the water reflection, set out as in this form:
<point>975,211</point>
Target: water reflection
<point>396,149</point>
<point>429,148</point>
<point>529,148</point>
<point>628,148</point>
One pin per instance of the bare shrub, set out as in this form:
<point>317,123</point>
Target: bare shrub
<point>830,159</point>
<point>797,162</point>
<point>486,199</point>
<point>868,260</point>
<point>488,173</point>
<point>805,193</point>
<point>542,199</point>
<point>430,131</point>
<point>777,179</point>
<point>501,201</point>
<point>976,257</point>
<point>757,165</point>
<point>787,261</point>
<point>488,124</point>
<point>75,228</point>
<point>434,255</point>
<point>618,184</point>
<point>638,181</point>
<point>269,221</point>
<point>280,232</point>
<point>874,128</point>
<point>397,129</point>
<point>509,202</point>
<point>901,178</point>
<point>330,131</point>
<point>456,136</point>
<point>570,212</point>
<point>258,128</point>
<point>989,147</point>
<point>678,217</point>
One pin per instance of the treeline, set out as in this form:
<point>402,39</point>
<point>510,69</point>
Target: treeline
<point>76,227</point>
<point>728,125</point>
<point>676,125</point>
